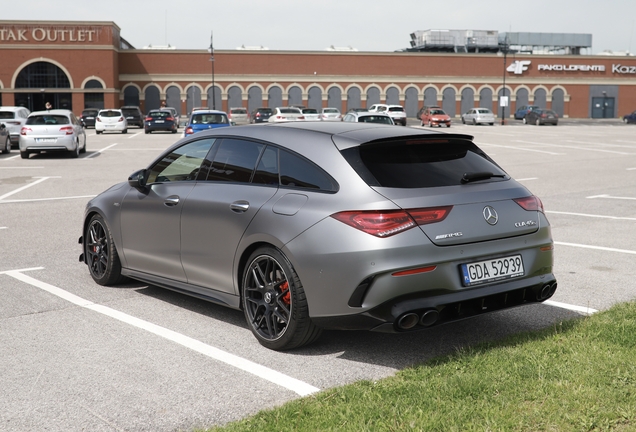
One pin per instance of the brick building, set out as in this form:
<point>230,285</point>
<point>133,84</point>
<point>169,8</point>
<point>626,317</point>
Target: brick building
<point>88,64</point>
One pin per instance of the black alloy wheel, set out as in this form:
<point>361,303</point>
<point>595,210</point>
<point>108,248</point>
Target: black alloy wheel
<point>101,255</point>
<point>274,302</point>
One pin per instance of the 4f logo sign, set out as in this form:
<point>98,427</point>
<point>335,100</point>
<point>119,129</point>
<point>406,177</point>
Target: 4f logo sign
<point>519,66</point>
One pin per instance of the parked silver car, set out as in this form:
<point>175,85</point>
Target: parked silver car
<point>477,116</point>
<point>330,114</point>
<point>285,114</point>
<point>239,116</point>
<point>54,130</point>
<point>326,225</point>
<point>13,117</point>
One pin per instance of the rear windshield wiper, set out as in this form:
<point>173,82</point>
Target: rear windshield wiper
<point>476,176</point>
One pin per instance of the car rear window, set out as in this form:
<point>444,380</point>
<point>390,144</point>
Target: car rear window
<point>420,162</point>
<point>89,112</point>
<point>375,119</point>
<point>110,113</point>
<point>238,111</point>
<point>159,114</point>
<point>264,110</point>
<point>310,111</point>
<point>209,119</point>
<point>129,111</point>
<point>394,109</point>
<point>4,115</point>
<point>48,119</point>
<point>290,111</point>
<point>330,111</point>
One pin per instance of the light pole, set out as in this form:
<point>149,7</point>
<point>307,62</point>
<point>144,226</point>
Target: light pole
<point>211,49</point>
<point>503,100</point>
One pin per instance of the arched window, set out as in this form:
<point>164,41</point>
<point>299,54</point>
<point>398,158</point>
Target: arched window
<point>334,98</point>
<point>373,96</point>
<point>448,101</point>
<point>294,96</point>
<point>468,99</point>
<point>430,97</point>
<point>42,75</point>
<point>314,98</point>
<point>353,98</point>
<point>254,98</point>
<point>131,96</point>
<point>410,102</point>
<point>193,98</point>
<point>274,97</point>
<point>234,98</point>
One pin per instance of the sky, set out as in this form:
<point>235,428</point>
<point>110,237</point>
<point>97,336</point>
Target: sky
<point>315,25</point>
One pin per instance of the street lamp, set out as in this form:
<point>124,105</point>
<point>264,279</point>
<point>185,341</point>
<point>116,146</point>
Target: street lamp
<point>211,50</point>
<point>503,101</point>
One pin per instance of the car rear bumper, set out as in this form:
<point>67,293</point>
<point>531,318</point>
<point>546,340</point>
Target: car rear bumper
<point>61,143</point>
<point>422,310</point>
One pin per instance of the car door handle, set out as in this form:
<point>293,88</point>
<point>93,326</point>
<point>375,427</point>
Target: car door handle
<point>171,201</point>
<point>239,206</point>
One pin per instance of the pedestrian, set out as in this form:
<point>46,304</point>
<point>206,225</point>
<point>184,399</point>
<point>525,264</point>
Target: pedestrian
<point>48,106</point>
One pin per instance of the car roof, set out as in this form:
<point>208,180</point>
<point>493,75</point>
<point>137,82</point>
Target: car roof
<point>12,108</point>
<point>208,112</point>
<point>342,134</point>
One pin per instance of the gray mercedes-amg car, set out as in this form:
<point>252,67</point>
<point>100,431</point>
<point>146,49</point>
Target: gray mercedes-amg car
<point>326,225</point>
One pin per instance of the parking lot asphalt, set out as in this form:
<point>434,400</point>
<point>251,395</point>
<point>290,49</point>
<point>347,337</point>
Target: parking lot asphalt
<point>78,356</point>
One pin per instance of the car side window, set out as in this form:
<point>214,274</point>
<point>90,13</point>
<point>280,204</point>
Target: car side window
<point>182,164</point>
<point>297,172</point>
<point>235,160</point>
<point>267,169</point>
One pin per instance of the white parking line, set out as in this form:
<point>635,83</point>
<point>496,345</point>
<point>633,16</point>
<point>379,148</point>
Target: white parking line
<point>590,215</point>
<point>46,199</point>
<point>40,180</point>
<point>611,197</point>
<point>134,135</point>
<point>526,179</point>
<point>521,148</point>
<point>585,310</point>
<point>297,386</point>
<point>23,167</point>
<point>625,251</point>
<point>99,151</point>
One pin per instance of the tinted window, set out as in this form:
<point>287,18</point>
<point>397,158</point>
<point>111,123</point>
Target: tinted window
<point>396,109</point>
<point>289,111</point>
<point>301,173</point>
<point>264,110</point>
<point>419,163</point>
<point>110,113</point>
<point>48,119</point>
<point>267,169</point>
<point>375,119</point>
<point>209,119</point>
<point>130,111</point>
<point>234,161</point>
<point>89,113</point>
<point>310,111</point>
<point>6,115</point>
<point>183,163</point>
<point>238,111</point>
<point>159,114</point>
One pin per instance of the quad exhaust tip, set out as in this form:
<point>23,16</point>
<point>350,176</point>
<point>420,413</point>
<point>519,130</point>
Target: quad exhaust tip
<point>546,291</point>
<point>411,319</point>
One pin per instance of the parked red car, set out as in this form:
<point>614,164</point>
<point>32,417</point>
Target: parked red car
<point>435,116</point>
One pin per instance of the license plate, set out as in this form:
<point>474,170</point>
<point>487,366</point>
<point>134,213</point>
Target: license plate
<point>90,118</point>
<point>158,121</point>
<point>129,118</point>
<point>492,270</point>
<point>46,140</point>
<point>111,126</point>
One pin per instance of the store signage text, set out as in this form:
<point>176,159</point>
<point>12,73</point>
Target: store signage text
<point>618,68</point>
<point>572,68</point>
<point>39,34</point>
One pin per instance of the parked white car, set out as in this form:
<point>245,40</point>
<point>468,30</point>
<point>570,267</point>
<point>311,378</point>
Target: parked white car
<point>396,112</point>
<point>53,130</point>
<point>330,114</point>
<point>13,117</point>
<point>311,114</point>
<point>478,116</point>
<point>282,114</point>
<point>111,120</point>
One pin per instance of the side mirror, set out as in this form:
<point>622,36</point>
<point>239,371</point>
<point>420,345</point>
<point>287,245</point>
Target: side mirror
<point>138,180</point>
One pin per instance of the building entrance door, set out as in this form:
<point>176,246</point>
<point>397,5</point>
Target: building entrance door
<point>603,107</point>
<point>36,101</point>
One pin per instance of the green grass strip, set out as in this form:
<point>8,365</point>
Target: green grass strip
<point>578,375</point>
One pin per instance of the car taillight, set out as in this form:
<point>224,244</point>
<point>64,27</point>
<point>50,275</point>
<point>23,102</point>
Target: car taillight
<point>148,118</point>
<point>301,118</point>
<point>67,129</point>
<point>189,130</point>
<point>385,223</point>
<point>121,119</point>
<point>24,130</point>
<point>531,203</point>
<point>98,119</point>
<point>257,115</point>
<point>170,118</point>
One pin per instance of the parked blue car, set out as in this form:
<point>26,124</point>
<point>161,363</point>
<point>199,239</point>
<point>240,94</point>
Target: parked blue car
<point>630,118</point>
<point>523,110</point>
<point>201,120</point>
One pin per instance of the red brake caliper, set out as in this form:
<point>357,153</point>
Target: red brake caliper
<point>284,289</point>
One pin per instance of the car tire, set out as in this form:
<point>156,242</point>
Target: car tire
<point>474,122</point>
<point>448,125</point>
<point>463,120</point>
<point>100,253</point>
<point>83,149</point>
<point>274,302</point>
<point>491,124</point>
<point>75,153</point>
<point>24,154</point>
<point>7,146</point>
<point>125,131</point>
<point>97,132</point>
